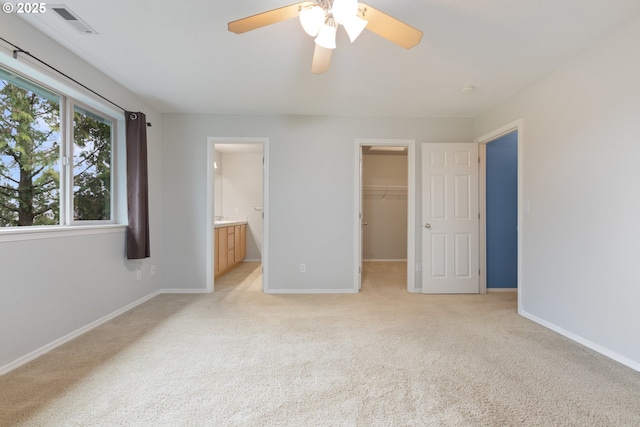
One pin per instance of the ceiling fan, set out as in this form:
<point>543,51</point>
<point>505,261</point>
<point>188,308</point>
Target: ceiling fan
<point>321,18</point>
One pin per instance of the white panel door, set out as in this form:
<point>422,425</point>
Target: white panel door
<point>450,218</point>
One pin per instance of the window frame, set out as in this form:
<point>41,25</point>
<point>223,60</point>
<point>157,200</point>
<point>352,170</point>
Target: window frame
<point>70,97</point>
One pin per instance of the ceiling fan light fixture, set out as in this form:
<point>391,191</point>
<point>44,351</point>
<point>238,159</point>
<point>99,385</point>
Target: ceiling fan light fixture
<point>321,18</point>
<point>343,10</point>
<point>327,35</point>
<point>354,27</point>
<point>311,19</point>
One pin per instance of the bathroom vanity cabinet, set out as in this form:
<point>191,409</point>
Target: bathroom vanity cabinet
<point>230,247</point>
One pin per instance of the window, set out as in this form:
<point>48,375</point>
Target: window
<point>56,158</point>
<point>92,136</point>
<point>30,153</point>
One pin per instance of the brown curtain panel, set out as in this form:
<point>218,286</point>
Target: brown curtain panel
<point>137,187</point>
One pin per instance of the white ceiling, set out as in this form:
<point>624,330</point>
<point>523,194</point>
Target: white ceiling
<point>180,57</point>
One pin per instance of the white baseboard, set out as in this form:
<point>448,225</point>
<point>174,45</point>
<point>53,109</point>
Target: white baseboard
<point>384,260</point>
<point>582,341</point>
<point>502,289</point>
<point>311,291</point>
<point>75,334</point>
<point>252,260</point>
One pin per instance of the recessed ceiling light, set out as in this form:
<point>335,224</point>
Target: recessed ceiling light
<point>467,90</point>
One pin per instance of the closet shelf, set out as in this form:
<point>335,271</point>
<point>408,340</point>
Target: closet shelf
<point>385,192</point>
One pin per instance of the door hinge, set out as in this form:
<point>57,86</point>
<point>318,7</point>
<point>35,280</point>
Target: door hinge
<point>478,215</point>
<point>360,270</point>
<point>478,272</point>
<point>65,161</point>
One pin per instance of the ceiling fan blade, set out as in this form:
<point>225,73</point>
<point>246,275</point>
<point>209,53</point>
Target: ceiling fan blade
<point>321,59</point>
<point>267,18</point>
<point>389,27</point>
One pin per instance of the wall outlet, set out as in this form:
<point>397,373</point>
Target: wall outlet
<point>153,270</point>
<point>303,268</point>
<point>418,267</point>
<point>138,274</point>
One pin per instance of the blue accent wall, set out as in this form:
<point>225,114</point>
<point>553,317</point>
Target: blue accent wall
<point>502,212</point>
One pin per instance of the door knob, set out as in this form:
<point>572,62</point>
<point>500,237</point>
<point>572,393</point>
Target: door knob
<point>427,225</point>
<point>365,223</point>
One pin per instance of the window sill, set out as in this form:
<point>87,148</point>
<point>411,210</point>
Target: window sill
<point>16,234</point>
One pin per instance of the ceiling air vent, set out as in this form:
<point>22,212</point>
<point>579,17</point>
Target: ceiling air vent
<point>74,20</point>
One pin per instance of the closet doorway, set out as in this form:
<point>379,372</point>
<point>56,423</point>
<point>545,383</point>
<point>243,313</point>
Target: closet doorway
<point>386,215</point>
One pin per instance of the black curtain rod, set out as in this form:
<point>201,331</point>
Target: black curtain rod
<point>17,50</point>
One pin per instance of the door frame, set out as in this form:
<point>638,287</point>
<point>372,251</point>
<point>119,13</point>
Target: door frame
<point>482,141</point>
<point>210,205</point>
<point>411,208</point>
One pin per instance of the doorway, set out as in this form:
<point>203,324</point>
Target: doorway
<point>374,189</point>
<point>237,190</point>
<point>516,130</point>
<point>502,213</point>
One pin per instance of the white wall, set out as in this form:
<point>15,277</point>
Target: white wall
<point>385,235</point>
<point>312,198</point>
<point>51,287</point>
<point>241,191</point>
<point>581,176</point>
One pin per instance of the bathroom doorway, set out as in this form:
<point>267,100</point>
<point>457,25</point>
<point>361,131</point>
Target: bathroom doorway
<point>237,209</point>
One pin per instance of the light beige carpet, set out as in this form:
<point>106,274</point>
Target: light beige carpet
<point>383,357</point>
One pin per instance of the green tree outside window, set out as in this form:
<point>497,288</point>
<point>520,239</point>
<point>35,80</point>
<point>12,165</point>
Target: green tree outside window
<point>30,153</point>
<point>32,190</point>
